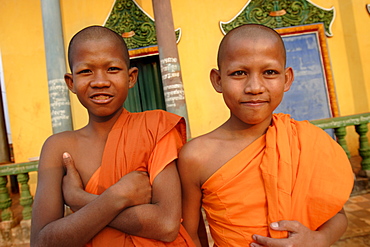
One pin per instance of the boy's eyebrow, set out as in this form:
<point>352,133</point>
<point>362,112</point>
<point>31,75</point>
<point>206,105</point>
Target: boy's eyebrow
<point>269,62</point>
<point>113,61</point>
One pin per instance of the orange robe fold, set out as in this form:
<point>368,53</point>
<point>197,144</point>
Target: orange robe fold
<point>146,141</point>
<point>294,172</point>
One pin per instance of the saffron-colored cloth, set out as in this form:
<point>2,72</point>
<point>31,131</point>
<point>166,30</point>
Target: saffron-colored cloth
<point>296,171</point>
<point>146,141</point>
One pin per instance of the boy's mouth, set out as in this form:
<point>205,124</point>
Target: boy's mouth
<point>254,101</point>
<point>100,97</point>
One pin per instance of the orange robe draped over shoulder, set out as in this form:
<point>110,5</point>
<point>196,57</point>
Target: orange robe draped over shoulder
<point>295,171</point>
<point>146,141</point>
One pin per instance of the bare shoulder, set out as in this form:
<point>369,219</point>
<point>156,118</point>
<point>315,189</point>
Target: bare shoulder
<point>198,148</point>
<point>50,168</point>
<point>204,155</point>
<point>196,158</point>
<point>54,146</point>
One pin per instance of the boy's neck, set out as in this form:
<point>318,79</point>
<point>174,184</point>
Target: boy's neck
<point>102,125</point>
<point>237,128</point>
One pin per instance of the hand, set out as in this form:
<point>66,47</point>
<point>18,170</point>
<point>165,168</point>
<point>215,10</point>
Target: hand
<point>135,188</point>
<point>73,188</point>
<point>299,235</point>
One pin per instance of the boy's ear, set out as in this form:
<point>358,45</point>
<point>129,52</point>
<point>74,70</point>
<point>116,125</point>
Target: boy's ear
<point>68,78</point>
<point>132,75</point>
<point>289,78</point>
<point>216,80</point>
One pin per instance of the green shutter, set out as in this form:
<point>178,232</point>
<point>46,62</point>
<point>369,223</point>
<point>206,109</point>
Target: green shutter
<point>147,94</point>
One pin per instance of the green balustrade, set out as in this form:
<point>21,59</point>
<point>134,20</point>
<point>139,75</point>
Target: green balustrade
<point>5,200</point>
<point>364,149</point>
<point>339,124</point>
<point>341,133</point>
<point>11,232</point>
<point>25,199</point>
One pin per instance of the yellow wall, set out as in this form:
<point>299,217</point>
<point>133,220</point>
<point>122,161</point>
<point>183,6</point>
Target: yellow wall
<point>22,49</point>
<point>23,57</point>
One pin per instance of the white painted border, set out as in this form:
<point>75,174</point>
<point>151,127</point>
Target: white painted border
<point>5,102</point>
<point>227,22</point>
<point>331,23</point>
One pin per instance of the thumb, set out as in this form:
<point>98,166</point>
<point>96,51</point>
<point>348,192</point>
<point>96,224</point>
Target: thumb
<point>286,225</point>
<point>68,161</point>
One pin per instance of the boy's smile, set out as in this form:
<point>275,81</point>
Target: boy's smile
<point>252,78</point>
<point>100,98</point>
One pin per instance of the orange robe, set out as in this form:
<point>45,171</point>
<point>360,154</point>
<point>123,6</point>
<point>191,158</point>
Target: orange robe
<point>293,172</point>
<point>146,141</point>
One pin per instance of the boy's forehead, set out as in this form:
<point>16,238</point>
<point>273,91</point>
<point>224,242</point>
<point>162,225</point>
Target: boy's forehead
<point>105,41</point>
<point>97,45</point>
<point>248,44</point>
<point>247,39</point>
<point>97,37</point>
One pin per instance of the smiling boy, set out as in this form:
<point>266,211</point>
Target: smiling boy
<point>106,183</point>
<point>262,178</point>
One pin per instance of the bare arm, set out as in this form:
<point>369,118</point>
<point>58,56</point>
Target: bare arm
<point>299,235</point>
<point>202,232</point>
<point>191,199</point>
<point>159,220</point>
<point>50,228</point>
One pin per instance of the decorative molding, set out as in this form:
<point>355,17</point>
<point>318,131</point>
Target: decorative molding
<point>137,28</point>
<point>281,13</point>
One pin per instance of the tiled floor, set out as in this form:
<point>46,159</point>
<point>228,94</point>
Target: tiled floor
<point>358,213</point>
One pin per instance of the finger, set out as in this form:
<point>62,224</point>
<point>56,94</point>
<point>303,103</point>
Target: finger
<point>286,225</point>
<point>255,245</point>
<point>269,242</point>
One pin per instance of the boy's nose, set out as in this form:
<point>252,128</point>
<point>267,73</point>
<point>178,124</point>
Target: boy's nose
<point>100,80</point>
<point>254,85</point>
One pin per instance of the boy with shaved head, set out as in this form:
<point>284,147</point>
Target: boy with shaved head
<point>122,182</point>
<point>263,179</point>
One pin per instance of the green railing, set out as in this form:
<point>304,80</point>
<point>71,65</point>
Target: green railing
<point>16,232</point>
<point>339,124</point>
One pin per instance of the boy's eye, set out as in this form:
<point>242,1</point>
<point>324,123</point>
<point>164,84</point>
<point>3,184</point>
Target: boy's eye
<point>114,69</point>
<point>238,73</point>
<point>84,71</point>
<point>271,72</point>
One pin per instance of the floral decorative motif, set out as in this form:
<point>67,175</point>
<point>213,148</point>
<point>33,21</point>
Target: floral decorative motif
<point>281,13</point>
<point>136,26</point>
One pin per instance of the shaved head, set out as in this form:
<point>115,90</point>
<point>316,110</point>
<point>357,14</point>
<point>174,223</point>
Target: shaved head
<point>97,33</point>
<point>250,32</point>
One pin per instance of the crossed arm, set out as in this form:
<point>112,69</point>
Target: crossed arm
<point>125,205</point>
<point>159,219</point>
